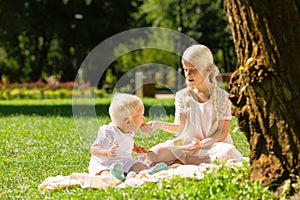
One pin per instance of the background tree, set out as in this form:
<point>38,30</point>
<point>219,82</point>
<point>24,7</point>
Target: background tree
<point>148,55</point>
<point>265,88</point>
<point>100,20</point>
<point>205,21</point>
<point>54,36</point>
<point>41,38</point>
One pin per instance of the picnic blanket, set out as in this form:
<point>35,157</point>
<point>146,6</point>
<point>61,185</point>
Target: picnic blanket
<point>85,180</point>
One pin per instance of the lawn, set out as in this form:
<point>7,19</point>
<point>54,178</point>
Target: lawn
<point>41,138</point>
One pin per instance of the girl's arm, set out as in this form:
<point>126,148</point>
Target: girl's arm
<point>224,127</point>
<point>165,126</point>
<point>220,135</point>
<point>175,127</point>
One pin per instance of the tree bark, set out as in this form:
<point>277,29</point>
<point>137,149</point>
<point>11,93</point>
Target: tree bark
<point>264,89</point>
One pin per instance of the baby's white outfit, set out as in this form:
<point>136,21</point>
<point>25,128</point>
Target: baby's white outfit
<point>108,135</point>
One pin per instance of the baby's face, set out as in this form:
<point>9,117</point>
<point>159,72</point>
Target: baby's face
<point>138,119</point>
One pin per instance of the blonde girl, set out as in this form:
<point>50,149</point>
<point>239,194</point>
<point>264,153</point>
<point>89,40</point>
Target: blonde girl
<point>202,116</point>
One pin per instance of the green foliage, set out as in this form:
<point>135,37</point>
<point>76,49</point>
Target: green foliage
<point>222,183</point>
<point>158,64</point>
<point>204,21</point>
<point>44,141</point>
<point>239,138</point>
<point>147,55</point>
<point>46,92</point>
<point>53,37</point>
<point>41,38</point>
<point>110,79</point>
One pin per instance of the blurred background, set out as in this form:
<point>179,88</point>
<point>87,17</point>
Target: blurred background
<point>44,42</point>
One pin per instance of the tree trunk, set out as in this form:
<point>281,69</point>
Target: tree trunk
<point>265,88</point>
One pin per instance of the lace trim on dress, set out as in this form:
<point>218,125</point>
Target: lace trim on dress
<point>224,105</point>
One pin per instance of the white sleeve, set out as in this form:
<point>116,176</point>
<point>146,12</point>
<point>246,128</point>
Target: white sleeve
<point>104,138</point>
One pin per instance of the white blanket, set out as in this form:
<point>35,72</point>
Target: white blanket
<point>85,180</point>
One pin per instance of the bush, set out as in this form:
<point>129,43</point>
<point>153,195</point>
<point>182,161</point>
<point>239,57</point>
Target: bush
<point>44,91</point>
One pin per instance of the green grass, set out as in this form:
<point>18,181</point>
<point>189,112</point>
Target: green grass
<point>41,139</point>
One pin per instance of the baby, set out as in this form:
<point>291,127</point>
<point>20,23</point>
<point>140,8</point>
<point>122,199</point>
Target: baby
<point>111,152</point>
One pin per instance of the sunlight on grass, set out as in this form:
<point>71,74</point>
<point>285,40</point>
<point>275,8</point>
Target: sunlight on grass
<point>37,144</point>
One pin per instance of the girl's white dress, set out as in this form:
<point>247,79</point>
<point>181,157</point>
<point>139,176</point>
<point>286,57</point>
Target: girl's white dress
<point>201,121</point>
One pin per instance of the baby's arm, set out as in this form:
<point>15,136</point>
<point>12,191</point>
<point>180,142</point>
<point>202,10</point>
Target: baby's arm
<point>99,151</point>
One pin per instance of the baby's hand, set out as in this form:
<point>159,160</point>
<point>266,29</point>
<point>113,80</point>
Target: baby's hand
<point>111,151</point>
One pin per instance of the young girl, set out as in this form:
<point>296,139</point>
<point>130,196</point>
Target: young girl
<point>202,116</point>
<point>111,153</point>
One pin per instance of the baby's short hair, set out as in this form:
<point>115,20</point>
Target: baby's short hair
<point>124,106</point>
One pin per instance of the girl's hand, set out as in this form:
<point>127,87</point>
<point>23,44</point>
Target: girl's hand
<point>196,144</point>
<point>151,126</point>
<point>156,125</point>
<point>111,152</point>
<point>146,128</point>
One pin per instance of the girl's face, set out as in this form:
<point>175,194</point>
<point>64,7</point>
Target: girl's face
<point>192,75</point>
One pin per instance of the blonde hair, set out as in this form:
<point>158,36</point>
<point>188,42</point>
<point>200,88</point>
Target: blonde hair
<point>201,57</point>
<point>123,106</point>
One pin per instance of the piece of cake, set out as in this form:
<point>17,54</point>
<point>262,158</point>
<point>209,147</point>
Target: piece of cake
<point>178,142</point>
